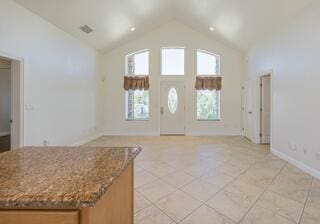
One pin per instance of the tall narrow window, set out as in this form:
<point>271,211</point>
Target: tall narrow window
<point>137,101</point>
<point>172,61</point>
<point>208,101</point>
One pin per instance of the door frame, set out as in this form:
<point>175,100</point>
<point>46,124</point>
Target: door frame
<point>259,114</point>
<point>247,127</point>
<point>172,78</point>
<point>17,71</point>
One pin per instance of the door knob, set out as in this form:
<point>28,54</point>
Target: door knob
<point>161,110</point>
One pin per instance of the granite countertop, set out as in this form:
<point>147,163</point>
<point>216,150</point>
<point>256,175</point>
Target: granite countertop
<point>59,176</point>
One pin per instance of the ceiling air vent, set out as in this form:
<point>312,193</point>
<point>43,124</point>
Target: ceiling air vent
<point>87,29</point>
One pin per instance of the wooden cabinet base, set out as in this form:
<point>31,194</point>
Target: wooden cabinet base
<point>39,217</point>
<point>115,207</point>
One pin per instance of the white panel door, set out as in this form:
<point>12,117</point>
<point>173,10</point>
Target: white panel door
<point>266,109</point>
<point>172,108</point>
<point>247,110</point>
<point>243,114</point>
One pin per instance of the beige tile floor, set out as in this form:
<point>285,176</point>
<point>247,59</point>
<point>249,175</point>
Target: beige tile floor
<point>217,180</point>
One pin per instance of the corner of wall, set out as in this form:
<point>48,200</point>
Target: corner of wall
<point>313,172</point>
<point>86,140</point>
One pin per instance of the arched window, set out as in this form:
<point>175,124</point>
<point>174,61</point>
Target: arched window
<point>137,101</point>
<point>207,63</point>
<point>208,101</point>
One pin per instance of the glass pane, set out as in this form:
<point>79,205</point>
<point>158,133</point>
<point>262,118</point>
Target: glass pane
<point>130,105</point>
<point>142,63</point>
<point>141,104</point>
<point>138,63</point>
<point>172,61</point>
<point>172,100</point>
<point>208,105</point>
<point>137,107</point>
<point>206,63</point>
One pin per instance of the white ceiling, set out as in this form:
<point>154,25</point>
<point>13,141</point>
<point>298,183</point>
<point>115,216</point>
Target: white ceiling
<point>237,22</point>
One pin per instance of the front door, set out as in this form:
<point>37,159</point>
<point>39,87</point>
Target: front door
<point>172,108</point>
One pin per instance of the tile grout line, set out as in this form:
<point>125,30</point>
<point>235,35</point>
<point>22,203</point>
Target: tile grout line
<point>145,199</point>
<point>286,197</point>
<point>234,179</point>
<point>177,189</point>
<point>255,203</point>
<point>180,189</point>
<point>306,201</point>
<point>195,178</point>
<point>204,203</point>
<point>153,203</point>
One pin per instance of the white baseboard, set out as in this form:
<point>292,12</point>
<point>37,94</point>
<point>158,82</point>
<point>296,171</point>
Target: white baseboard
<point>213,134</point>
<point>86,140</point>
<point>108,133</point>
<point>5,133</point>
<point>313,172</point>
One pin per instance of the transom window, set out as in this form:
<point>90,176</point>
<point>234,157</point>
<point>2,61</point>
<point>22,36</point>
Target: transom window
<point>172,61</point>
<point>208,101</point>
<point>137,101</point>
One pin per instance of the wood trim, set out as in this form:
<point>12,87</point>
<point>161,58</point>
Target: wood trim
<point>5,64</point>
<point>116,206</point>
<point>132,191</point>
<point>5,133</point>
<point>39,217</point>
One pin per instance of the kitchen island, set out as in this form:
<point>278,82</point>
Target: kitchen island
<point>67,185</point>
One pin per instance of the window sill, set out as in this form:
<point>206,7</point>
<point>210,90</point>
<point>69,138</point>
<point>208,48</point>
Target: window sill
<point>136,119</point>
<point>208,120</point>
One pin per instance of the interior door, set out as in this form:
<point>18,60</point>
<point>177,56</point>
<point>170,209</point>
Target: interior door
<point>243,114</point>
<point>265,109</point>
<point>247,109</point>
<point>172,108</point>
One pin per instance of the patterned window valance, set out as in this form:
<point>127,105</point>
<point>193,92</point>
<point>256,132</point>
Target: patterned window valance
<point>208,83</point>
<point>138,82</point>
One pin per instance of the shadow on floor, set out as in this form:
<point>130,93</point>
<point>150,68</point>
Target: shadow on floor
<point>4,143</point>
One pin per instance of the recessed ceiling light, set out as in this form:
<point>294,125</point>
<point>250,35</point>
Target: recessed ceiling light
<point>212,28</point>
<point>133,29</point>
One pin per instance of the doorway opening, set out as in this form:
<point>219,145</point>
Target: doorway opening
<point>265,108</point>
<point>11,104</point>
<point>5,105</point>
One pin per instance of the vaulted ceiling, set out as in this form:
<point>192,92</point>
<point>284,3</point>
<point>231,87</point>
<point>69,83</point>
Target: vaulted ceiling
<point>237,22</point>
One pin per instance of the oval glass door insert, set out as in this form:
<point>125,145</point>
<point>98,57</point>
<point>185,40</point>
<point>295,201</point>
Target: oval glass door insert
<point>172,100</point>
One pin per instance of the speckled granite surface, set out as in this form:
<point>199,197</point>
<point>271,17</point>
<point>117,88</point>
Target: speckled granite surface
<point>60,176</point>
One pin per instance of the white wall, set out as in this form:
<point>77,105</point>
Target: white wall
<point>173,34</point>
<point>5,99</point>
<point>293,53</point>
<point>60,77</point>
